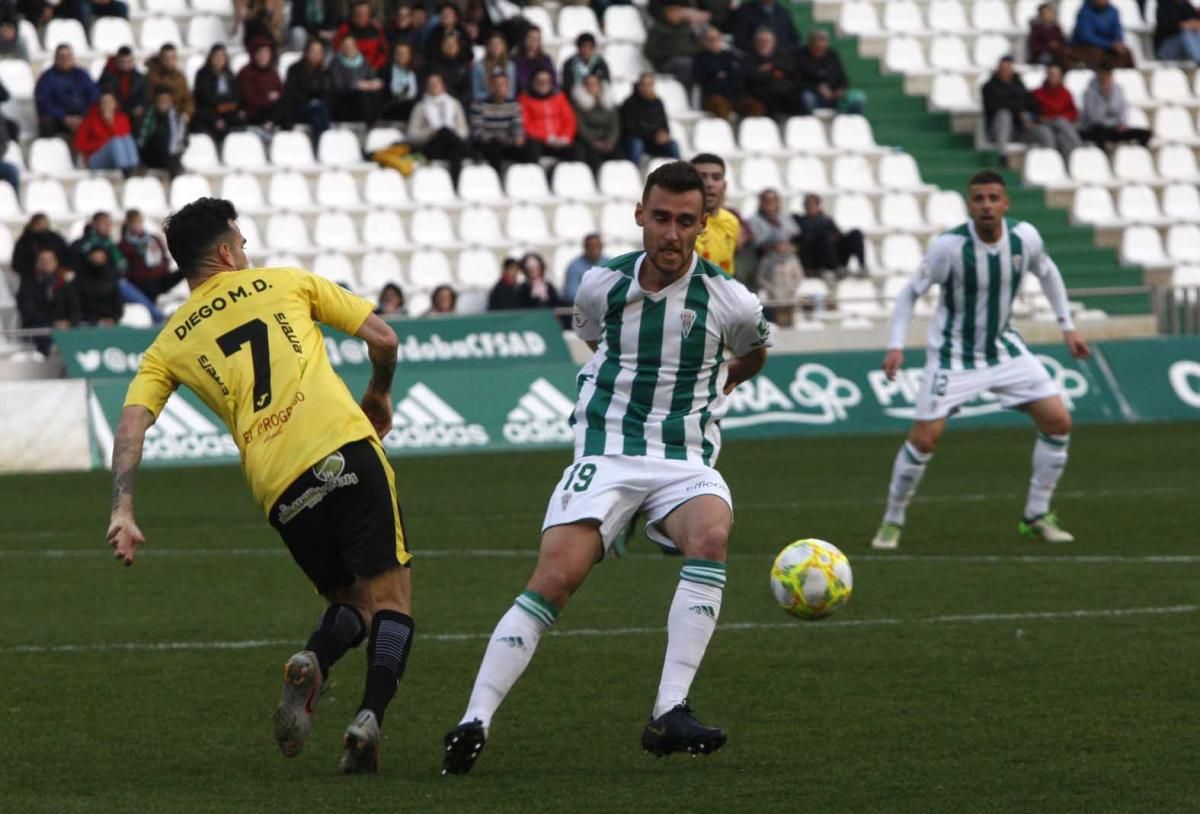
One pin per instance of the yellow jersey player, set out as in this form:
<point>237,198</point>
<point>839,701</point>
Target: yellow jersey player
<point>248,344</point>
<point>722,237</point>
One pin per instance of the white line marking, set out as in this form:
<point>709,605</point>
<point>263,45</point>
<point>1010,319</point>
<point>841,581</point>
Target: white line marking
<point>252,644</point>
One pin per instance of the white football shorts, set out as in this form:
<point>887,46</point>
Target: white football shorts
<point>610,489</point>
<point>1017,381</point>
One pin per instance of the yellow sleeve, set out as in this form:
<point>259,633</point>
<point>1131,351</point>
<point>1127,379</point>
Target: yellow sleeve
<point>333,305</point>
<point>152,385</point>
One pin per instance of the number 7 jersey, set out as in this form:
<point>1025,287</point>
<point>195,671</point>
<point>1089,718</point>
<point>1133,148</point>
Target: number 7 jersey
<point>248,344</point>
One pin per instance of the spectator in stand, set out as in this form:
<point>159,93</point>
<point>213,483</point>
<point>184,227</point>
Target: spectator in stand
<point>402,28</point>
<point>259,87</point>
<point>454,72</point>
<point>779,269</point>
<point>530,58</point>
<point>163,71</point>
<point>505,294</point>
<point>123,80</point>
<point>771,78</point>
<point>105,138</point>
<point>108,8</point>
<point>597,120</point>
<point>699,13</point>
<point>536,291</point>
<point>98,236</point>
<point>391,301</point>
<point>313,19</point>
<point>356,88</point>
<point>100,295</point>
<point>719,73</point>
<point>1056,111</point>
<point>644,126</point>
<point>444,300</point>
<point>306,95</point>
<point>822,246</point>
<point>1177,30</point>
<point>1098,37</point>
<point>261,21</point>
<point>585,62</point>
<point>438,126</point>
<point>146,258</point>
<point>48,299</point>
<point>368,34</point>
<point>593,255</point>
<point>447,25</point>
<point>823,82</point>
<point>1105,116</point>
<point>40,12</point>
<point>9,171</point>
<point>401,84</point>
<point>549,121</point>
<point>1009,111</point>
<point>12,46</point>
<point>498,128</point>
<point>1047,42</point>
<point>672,43</point>
<point>495,57</point>
<point>36,237</point>
<point>162,135</point>
<point>218,108</point>
<point>63,95</point>
<point>754,15</point>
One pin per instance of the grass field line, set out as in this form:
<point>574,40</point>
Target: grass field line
<point>252,644</point>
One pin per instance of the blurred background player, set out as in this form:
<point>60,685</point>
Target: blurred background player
<point>722,237</point>
<point>647,436</point>
<point>247,344</point>
<point>972,350</point>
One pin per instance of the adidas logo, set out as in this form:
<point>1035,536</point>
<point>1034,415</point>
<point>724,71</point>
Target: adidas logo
<point>511,641</point>
<point>422,419</point>
<point>540,416</point>
<point>704,610</point>
<point>182,432</point>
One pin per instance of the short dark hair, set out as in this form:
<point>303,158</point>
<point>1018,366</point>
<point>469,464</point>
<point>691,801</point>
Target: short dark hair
<point>591,236</point>
<point>708,158</point>
<point>987,177</point>
<point>676,177</point>
<point>193,231</point>
<point>585,37</point>
<point>166,46</point>
<point>124,51</point>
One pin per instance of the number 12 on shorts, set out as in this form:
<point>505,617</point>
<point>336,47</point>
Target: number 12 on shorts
<point>585,473</point>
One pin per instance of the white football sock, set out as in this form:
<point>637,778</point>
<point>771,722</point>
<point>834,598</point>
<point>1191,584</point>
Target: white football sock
<point>907,472</point>
<point>690,624</point>
<point>1049,461</point>
<point>508,654</point>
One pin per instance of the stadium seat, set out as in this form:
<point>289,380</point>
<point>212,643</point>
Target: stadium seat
<point>901,254</point>
<point>169,8</point>
<point>854,211</point>
<point>1044,167</point>
<point>572,221</point>
<point>1137,203</point>
<point>859,18</point>
<point>292,149</point>
<point>67,31</point>
<point>254,243</point>
<point>903,17</point>
<point>146,195</point>
<point>715,136</point>
<point>948,53</point>
<point>573,180</point>
<point>377,270</point>
<point>993,16</point>
<point>575,20</point>
<point>526,183</point>
<point>46,195</point>
<point>988,49</point>
<point>244,151</point>
<point>1178,163</point>
<point>899,211</point>
<point>526,223</point>
<point>759,173</point>
<point>335,231</point>
<point>759,135</point>
<point>480,226</point>
<point>807,174</point>
<point>1169,85</point>
<point>29,36</point>
<point>204,31</point>
<point>51,156</point>
<point>94,194</point>
<point>336,189</point>
<point>617,223</point>
<point>477,268</point>
<point>1089,165</point>
<point>201,154</point>
<point>288,191</point>
<point>626,63</point>
<point>244,191</point>
<point>159,31</point>
<point>1134,164</point>
<point>17,77</point>
<point>674,97</point>
<point>1174,125</point>
<point>431,186</point>
<point>283,260</point>
<point>428,269</point>
<point>853,173</point>
<point>1186,276</point>
<point>432,227</point>
<point>339,148</point>
<point>624,24</point>
<point>286,232</point>
<point>852,132</point>
<point>1183,243</point>
<point>951,92</point>
<point>136,315</point>
<point>905,56</point>
<point>857,296</point>
<point>111,33</point>
<point>1142,246</point>
<point>480,184</point>
<point>380,137</point>
<point>945,209</point>
<point>620,180</point>
<point>220,8</point>
<point>1180,202</point>
<point>948,16</point>
<point>383,229</point>
<point>806,135</point>
<point>336,268</point>
<point>900,171</point>
<point>386,187</point>
<point>540,17</point>
<point>187,188</point>
<point>1094,206</point>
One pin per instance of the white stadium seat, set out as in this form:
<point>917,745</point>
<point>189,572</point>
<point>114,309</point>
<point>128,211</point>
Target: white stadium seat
<point>336,231</point>
<point>1183,243</point>
<point>187,188</point>
<point>383,229</point>
<point>1089,165</point>
<point>540,17</point>
<point>948,52</point>
<point>29,35</point>
<point>111,33</point>
<point>855,211</point>
<point>1044,167</point>
<point>899,211</point>
<point>1178,163</point>
<point>575,20</point>
<point>171,8</point>
<point>379,138</point>
<point>852,132</point>
<point>337,189</point>
<point>759,135</point>
<point>945,209</point>
<point>244,191</point>
<point>951,92</point>
<point>900,171</point>
<point>1142,246</point>
<point>159,31</point>
<point>431,186</point>
<point>1169,85</point>
<point>988,49</point>
<point>624,24</point>
<point>714,136</point>
<point>145,194</point>
<point>1134,163</point>
<point>336,268</point>
<point>1094,206</point>
<point>46,195</point>
<point>288,191</point>
<point>66,31</point>
<point>286,232</point>
<point>993,16</point>
<point>759,173</point>
<point>201,154</point>
<point>617,223</point>
<point>573,180</point>
<point>903,17</point>
<point>480,184</point>
<point>386,187</point>
<point>50,156</point>
<point>432,227</point>
<point>948,16</point>
<point>527,183</point>
<point>853,173</point>
<point>1137,203</point>
<point>905,55</point>
<point>806,173</point>
<point>480,226</point>
<point>94,194</point>
<point>477,268</point>
<point>859,18</point>
<point>204,31</point>
<point>526,223</point>
<point>292,149</point>
<point>620,180</point>
<point>379,269</point>
<point>572,221</point>
<point>136,315</point>
<point>806,135</point>
<point>901,253</point>
<point>1181,202</point>
<point>428,269</point>
<point>339,148</point>
<point>1174,125</point>
<point>244,151</point>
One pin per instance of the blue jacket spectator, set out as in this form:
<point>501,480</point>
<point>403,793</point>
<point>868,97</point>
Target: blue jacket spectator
<point>63,95</point>
<point>756,14</point>
<point>593,255</point>
<point>1099,36</point>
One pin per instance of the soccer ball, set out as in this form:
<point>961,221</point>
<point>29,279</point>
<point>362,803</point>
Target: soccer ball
<point>811,579</point>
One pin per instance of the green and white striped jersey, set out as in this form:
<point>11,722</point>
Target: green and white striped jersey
<point>654,385</point>
<point>978,283</point>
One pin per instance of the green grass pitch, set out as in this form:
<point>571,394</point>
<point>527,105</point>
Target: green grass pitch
<point>972,671</point>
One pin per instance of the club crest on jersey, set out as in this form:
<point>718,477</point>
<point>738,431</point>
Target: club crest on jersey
<point>688,318</point>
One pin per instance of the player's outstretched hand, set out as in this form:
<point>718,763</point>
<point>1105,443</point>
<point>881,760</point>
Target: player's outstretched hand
<point>1077,345</point>
<point>892,361</point>
<point>124,536</point>
<point>378,408</point>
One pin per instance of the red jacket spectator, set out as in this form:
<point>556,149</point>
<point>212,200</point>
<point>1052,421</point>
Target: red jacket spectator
<point>260,87</point>
<point>547,117</point>
<point>94,132</point>
<point>372,42</point>
<point>1055,103</point>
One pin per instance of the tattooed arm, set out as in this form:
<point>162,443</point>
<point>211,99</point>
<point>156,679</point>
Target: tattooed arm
<point>123,533</point>
<point>381,348</point>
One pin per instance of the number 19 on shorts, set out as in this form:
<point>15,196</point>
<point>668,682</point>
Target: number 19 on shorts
<point>580,477</point>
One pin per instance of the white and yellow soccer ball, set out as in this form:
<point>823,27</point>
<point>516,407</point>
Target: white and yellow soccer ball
<point>811,579</point>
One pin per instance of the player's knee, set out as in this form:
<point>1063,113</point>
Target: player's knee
<point>1059,424</point>
<point>710,542</point>
<point>924,442</point>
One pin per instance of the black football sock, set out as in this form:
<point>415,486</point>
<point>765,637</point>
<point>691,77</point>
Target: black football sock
<point>387,653</point>
<point>339,629</point>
